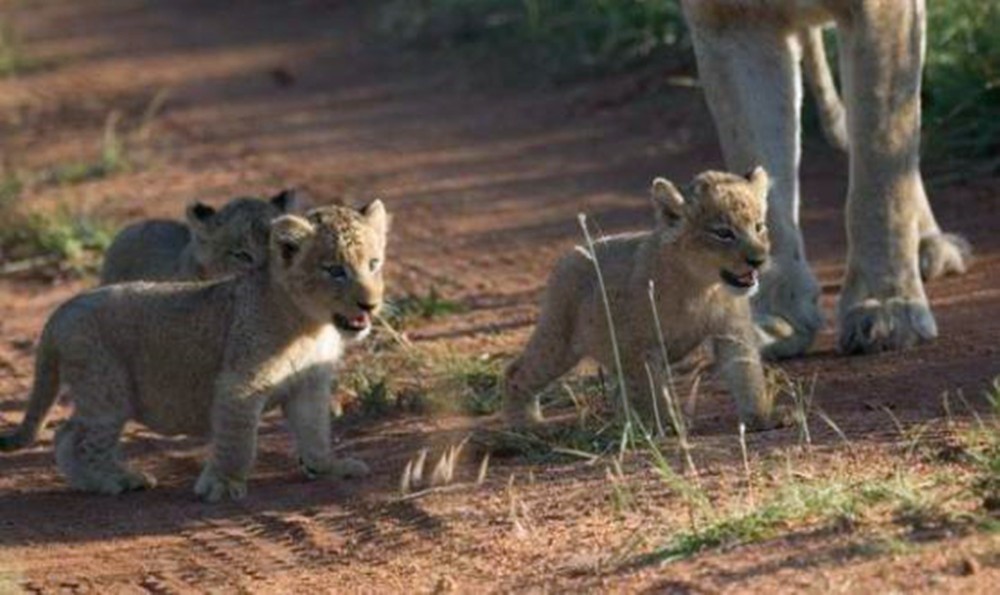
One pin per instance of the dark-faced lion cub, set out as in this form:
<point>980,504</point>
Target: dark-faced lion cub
<point>211,244</point>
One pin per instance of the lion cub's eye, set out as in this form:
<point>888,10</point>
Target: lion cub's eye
<point>723,234</point>
<point>242,256</point>
<point>760,228</point>
<point>337,272</point>
<point>374,265</point>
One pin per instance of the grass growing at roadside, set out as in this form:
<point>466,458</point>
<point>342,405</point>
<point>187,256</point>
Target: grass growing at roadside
<point>71,242</point>
<point>112,159</point>
<point>556,37</point>
<point>951,500</point>
<point>411,308</point>
<point>12,58</point>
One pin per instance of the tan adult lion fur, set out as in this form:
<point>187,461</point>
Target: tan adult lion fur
<point>211,244</point>
<point>750,55</point>
<point>702,258</point>
<point>208,358</point>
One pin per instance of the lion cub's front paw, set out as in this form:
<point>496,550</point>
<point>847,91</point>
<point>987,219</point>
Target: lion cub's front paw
<point>212,486</point>
<point>336,468</point>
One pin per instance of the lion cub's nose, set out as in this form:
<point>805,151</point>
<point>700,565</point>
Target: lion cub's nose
<point>367,307</point>
<point>756,261</point>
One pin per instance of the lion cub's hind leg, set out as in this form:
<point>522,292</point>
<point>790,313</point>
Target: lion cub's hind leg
<point>548,356</point>
<point>87,446</point>
<point>88,454</point>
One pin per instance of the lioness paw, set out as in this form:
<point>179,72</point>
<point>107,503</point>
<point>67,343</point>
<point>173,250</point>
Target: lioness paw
<point>125,481</point>
<point>943,254</point>
<point>336,468</point>
<point>873,326</point>
<point>213,486</point>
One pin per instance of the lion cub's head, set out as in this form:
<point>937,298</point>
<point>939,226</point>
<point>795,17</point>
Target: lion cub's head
<point>234,238</point>
<point>330,263</point>
<point>719,223</point>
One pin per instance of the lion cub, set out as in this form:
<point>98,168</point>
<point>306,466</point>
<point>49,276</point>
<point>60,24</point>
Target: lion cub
<point>209,358</point>
<point>212,244</point>
<point>703,257</point>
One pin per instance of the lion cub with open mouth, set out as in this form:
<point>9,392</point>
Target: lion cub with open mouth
<point>702,257</point>
<point>209,358</point>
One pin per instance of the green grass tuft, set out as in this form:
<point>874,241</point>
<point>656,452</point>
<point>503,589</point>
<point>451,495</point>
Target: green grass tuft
<point>12,58</point>
<point>72,242</point>
<point>404,311</point>
<point>113,159</point>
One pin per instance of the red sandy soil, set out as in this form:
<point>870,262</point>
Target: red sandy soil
<point>484,182</point>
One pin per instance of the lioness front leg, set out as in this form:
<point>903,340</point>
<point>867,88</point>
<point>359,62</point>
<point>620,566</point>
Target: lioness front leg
<point>752,81</point>
<point>234,448</point>
<point>883,305</point>
<point>308,415</point>
<point>739,364</point>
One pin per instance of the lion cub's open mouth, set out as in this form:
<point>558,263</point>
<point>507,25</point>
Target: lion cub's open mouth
<point>356,324</point>
<point>745,281</point>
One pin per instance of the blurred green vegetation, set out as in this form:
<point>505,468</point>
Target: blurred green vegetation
<point>556,38</point>
<point>565,39</point>
<point>962,81</point>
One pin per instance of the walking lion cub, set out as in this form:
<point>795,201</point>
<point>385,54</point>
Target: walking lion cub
<point>702,258</point>
<point>209,358</point>
<point>213,243</point>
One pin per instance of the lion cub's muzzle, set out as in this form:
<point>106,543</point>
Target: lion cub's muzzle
<point>359,323</point>
<point>746,282</point>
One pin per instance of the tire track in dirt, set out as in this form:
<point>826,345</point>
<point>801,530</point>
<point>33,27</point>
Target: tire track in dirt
<point>249,551</point>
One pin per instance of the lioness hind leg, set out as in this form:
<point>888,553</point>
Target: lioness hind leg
<point>883,305</point>
<point>88,454</point>
<point>752,80</point>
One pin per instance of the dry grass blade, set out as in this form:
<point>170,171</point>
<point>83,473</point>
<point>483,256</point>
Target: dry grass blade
<point>484,466</point>
<point>746,463</point>
<point>405,480</point>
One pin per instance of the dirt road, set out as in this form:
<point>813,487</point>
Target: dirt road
<point>484,182</point>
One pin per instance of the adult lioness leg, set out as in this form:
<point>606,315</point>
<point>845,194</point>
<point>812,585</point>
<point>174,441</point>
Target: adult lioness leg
<point>883,304</point>
<point>752,80</point>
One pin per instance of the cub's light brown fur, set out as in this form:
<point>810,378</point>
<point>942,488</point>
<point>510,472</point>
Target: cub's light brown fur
<point>748,54</point>
<point>212,244</point>
<point>703,242</point>
<point>209,358</point>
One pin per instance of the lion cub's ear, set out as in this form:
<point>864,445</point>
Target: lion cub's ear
<point>375,215</point>
<point>199,216</point>
<point>759,179</point>
<point>286,200</point>
<point>668,202</point>
<point>289,236</point>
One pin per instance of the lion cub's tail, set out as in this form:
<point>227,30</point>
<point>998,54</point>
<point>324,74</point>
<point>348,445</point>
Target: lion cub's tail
<point>42,396</point>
